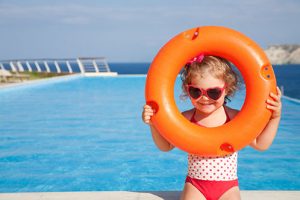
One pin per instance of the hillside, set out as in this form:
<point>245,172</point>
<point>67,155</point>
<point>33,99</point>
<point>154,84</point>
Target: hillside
<point>283,54</point>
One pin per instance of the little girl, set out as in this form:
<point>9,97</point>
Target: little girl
<point>209,81</point>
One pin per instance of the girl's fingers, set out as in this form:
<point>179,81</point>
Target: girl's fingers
<point>272,102</point>
<point>148,112</point>
<point>274,108</point>
<point>147,118</point>
<point>148,108</point>
<point>275,97</point>
<point>278,91</point>
<point>147,121</point>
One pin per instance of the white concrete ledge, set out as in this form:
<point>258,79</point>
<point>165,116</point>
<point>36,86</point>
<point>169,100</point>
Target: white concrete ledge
<point>93,74</point>
<point>124,195</point>
<point>40,81</point>
<point>291,99</point>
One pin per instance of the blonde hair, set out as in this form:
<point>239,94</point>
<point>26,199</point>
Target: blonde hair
<point>217,67</point>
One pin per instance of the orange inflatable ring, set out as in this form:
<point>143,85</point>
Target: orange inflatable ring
<point>255,68</point>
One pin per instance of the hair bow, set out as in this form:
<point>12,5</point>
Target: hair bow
<point>198,59</point>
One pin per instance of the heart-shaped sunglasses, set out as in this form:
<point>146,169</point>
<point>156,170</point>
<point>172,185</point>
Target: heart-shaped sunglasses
<point>212,93</point>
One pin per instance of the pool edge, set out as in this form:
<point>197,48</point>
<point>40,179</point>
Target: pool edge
<point>40,81</point>
<point>151,195</point>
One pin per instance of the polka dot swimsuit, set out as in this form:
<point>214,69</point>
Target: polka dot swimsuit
<point>219,168</point>
<point>213,168</point>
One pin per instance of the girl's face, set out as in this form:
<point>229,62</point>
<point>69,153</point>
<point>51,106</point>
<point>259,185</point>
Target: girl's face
<point>205,104</point>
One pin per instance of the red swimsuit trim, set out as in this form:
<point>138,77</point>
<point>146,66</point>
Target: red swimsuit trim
<point>212,190</point>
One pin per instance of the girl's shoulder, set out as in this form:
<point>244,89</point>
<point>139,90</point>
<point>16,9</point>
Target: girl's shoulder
<point>231,112</point>
<point>188,113</point>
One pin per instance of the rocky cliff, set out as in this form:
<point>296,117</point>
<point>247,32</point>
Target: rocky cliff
<point>283,54</point>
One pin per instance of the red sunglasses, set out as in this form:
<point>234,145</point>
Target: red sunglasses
<point>212,93</point>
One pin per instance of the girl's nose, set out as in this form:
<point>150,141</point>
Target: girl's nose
<point>204,97</point>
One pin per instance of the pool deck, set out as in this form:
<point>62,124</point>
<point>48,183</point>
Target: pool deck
<point>38,81</point>
<point>125,195</point>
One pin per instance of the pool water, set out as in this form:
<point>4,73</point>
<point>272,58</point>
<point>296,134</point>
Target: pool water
<point>86,134</point>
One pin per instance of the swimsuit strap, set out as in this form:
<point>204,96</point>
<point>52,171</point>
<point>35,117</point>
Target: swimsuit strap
<point>193,120</point>
<point>227,116</point>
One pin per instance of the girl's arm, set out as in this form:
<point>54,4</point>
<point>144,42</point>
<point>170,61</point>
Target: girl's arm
<point>265,139</point>
<point>159,140</point>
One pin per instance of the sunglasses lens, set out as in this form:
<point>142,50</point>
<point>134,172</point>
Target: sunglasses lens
<point>195,93</point>
<point>214,93</point>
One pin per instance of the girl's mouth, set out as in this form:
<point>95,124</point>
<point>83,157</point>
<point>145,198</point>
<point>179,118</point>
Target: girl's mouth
<point>205,103</point>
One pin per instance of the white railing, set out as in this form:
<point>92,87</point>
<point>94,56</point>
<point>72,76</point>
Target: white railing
<point>89,66</point>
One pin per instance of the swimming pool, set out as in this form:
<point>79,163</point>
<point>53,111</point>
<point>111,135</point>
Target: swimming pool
<point>86,134</point>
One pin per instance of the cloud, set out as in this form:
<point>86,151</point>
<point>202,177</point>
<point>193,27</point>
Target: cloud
<point>140,26</point>
<point>76,20</point>
<point>162,13</point>
<point>78,12</point>
<point>39,13</point>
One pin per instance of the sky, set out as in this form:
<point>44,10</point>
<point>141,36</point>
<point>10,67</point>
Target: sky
<point>133,30</point>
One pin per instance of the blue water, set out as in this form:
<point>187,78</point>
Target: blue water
<point>86,134</point>
<point>287,76</point>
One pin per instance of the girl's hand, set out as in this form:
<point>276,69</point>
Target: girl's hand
<point>274,104</point>
<point>148,112</point>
